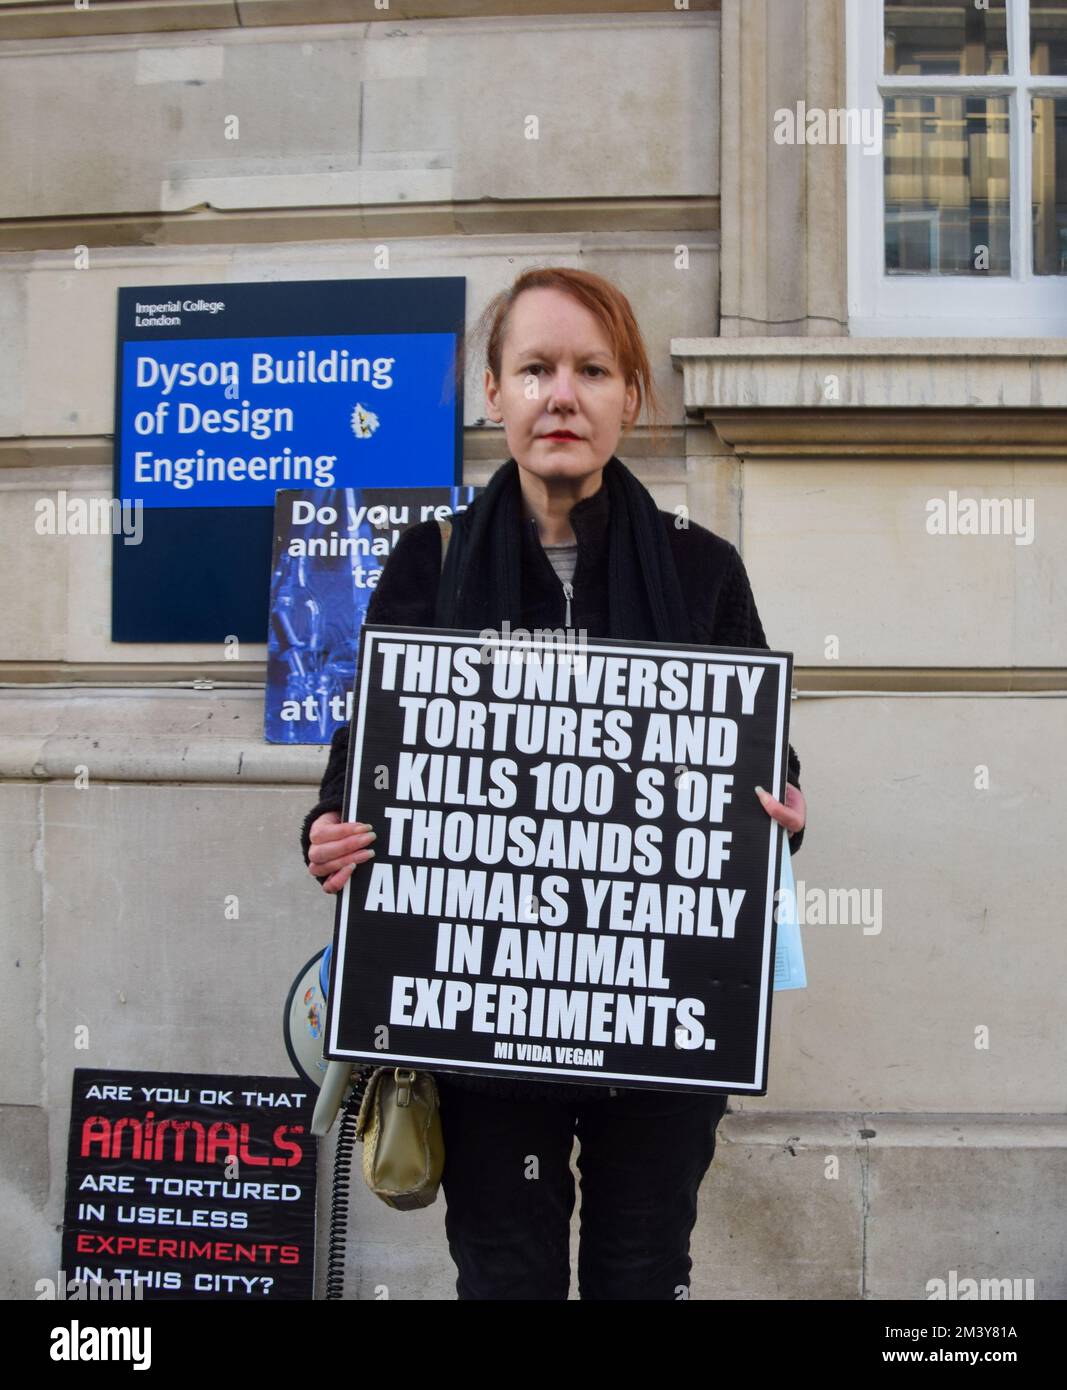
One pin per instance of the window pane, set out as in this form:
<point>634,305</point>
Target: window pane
<point>947,190</point>
<point>1048,37</point>
<point>937,38</point>
<point>1050,185</point>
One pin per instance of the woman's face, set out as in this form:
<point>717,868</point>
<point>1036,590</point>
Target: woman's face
<point>558,373</point>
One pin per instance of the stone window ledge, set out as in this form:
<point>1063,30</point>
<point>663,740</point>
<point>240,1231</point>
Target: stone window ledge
<point>837,396</point>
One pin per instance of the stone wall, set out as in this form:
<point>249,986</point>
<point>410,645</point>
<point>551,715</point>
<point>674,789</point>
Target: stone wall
<point>889,1149</point>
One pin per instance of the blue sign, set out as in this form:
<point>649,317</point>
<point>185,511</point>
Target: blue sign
<point>226,394</point>
<point>226,422</point>
<point>329,551</point>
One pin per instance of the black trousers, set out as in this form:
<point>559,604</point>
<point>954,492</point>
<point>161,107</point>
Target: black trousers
<point>509,1191</point>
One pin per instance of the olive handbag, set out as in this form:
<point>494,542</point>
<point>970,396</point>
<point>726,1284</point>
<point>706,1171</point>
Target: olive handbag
<point>399,1125</point>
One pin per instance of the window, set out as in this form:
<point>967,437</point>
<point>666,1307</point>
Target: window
<point>958,219</point>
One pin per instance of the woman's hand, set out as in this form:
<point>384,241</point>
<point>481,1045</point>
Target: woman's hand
<point>337,846</point>
<point>792,814</point>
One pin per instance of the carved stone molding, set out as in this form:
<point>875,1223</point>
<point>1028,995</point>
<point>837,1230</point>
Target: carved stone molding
<point>55,18</point>
<point>855,397</point>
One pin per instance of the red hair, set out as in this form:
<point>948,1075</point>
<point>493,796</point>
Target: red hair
<point>601,298</point>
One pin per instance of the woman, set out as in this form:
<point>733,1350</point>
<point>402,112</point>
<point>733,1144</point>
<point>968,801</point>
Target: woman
<point>563,535</point>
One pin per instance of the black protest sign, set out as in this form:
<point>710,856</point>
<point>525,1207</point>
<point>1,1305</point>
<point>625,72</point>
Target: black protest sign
<point>188,1186</point>
<point>573,876</point>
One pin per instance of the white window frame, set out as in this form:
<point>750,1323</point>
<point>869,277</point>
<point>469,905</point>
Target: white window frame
<point>880,305</point>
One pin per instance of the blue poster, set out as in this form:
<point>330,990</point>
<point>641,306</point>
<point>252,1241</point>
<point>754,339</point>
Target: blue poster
<point>226,394</point>
<point>329,549</point>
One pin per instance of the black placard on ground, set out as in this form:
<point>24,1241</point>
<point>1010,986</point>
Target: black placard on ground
<point>190,1186</point>
<point>574,878</point>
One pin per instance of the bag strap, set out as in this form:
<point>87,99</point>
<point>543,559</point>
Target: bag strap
<point>446,536</point>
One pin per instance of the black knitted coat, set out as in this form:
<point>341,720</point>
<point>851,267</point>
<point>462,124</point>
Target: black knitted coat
<point>721,608</point>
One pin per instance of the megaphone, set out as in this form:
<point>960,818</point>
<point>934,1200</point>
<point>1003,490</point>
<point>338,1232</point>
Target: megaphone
<point>304,1028</point>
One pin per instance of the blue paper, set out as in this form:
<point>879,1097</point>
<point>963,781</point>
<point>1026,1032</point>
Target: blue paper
<point>789,972</point>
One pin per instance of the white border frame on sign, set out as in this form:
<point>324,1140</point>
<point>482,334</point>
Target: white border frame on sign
<point>496,1067</point>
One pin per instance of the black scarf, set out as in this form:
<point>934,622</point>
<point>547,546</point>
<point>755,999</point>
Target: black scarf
<point>481,584</point>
